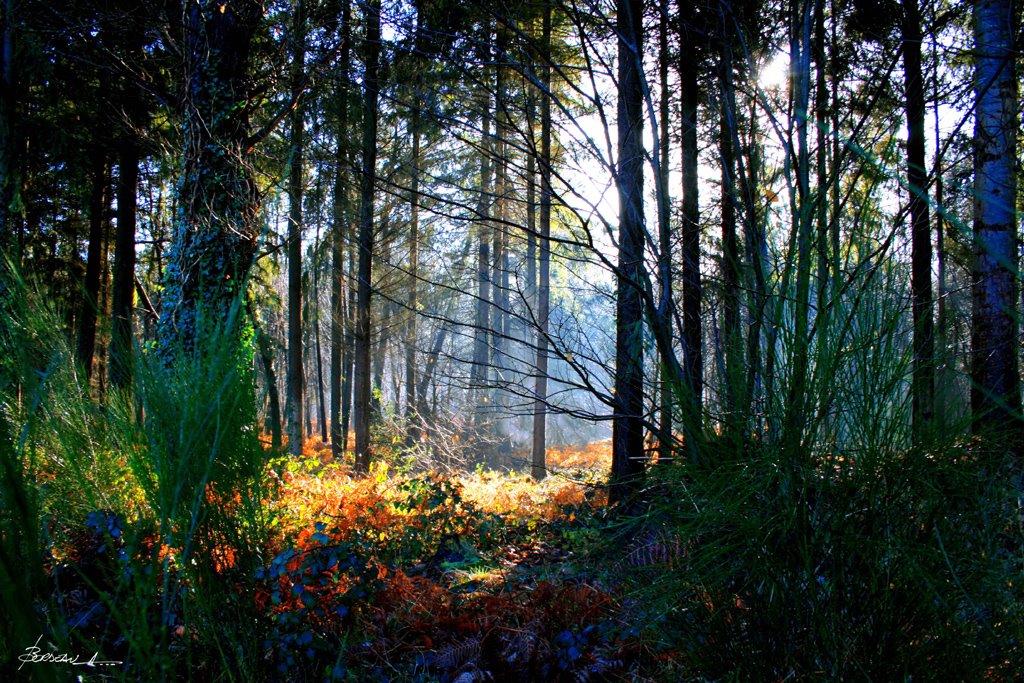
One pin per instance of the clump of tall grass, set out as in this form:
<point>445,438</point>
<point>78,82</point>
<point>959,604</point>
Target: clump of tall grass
<point>150,506</point>
<point>840,546</point>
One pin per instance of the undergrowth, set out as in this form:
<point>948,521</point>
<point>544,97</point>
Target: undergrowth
<point>156,531</point>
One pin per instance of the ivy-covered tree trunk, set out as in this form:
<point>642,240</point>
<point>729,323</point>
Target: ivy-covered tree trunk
<point>215,229</point>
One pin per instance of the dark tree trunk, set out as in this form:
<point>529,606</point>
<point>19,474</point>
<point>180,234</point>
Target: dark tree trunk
<point>627,427</point>
<point>921,237</point>
<point>121,317</point>
<point>480,370</point>
<point>371,89</point>
<point>412,433</point>
<point>995,393</point>
<point>693,355</point>
<point>339,231</point>
<point>538,459</point>
<point>730,245</point>
<point>665,438</point>
<point>296,378</point>
<point>10,162</point>
<point>265,348</point>
<point>802,206</point>
<point>348,355</point>
<point>99,207</point>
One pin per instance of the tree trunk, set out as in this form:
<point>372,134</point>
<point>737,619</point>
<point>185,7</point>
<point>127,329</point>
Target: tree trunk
<point>693,356</point>
<point>665,438</point>
<point>296,378</point>
<point>371,89</point>
<point>319,351</point>
<point>216,227</point>
<point>480,371</point>
<point>921,238</point>
<point>348,355</point>
<point>339,231</point>
<point>10,162</point>
<point>412,433</point>
<point>730,245</point>
<point>99,206</point>
<point>802,205</point>
<point>627,426</point>
<point>121,318</point>
<point>265,347</point>
<point>995,393</point>
<point>538,458</point>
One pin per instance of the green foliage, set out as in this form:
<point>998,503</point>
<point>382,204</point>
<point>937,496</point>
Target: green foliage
<point>176,469</point>
<point>880,567</point>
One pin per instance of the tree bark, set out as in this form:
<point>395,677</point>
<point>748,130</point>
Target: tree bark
<point>627,426</point>
<point>99,207</point>
<point>121,318</point>
<point>10,161</point>
<point>412,433</point>
<point>921,238</point>
<point>371,89</point>
<point>339,231</point>
<point>693,355</point>
<point>480,371</point>
<point>665,437</point>
<point>730,245</point>
<point>216,228</point>
<point>538,456</point>
<point>296,376</point>
<point>995,394</point>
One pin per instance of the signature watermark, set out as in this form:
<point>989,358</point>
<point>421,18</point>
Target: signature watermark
<point>34,654</point>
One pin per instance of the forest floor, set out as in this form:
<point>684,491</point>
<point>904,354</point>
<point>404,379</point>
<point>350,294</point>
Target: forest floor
<point>402,576</point>
<point>412,575</point>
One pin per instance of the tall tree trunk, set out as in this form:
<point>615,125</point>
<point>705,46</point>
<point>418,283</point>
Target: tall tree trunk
<point>99,206</point>
<point>627,426</point>
<point>10,162</point>
<point>693,355</point>
<point>121,333</point>
<point>921,237</point>
<point>412,433</point>
<point>371,90</point>
<point>265,348</point>
<point>530,290</point>
<point>756,246</point>
<point>319,348</point>
<point>538,456</point>
<point>339,231</point>
<point>944,380</point>
<point>995,393</point>
<point>480,371</point>
<point>296,378</point>
<point>802,205</point>
<point>665,438</point>
<point>348,357</point>
<point>730,245</point>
